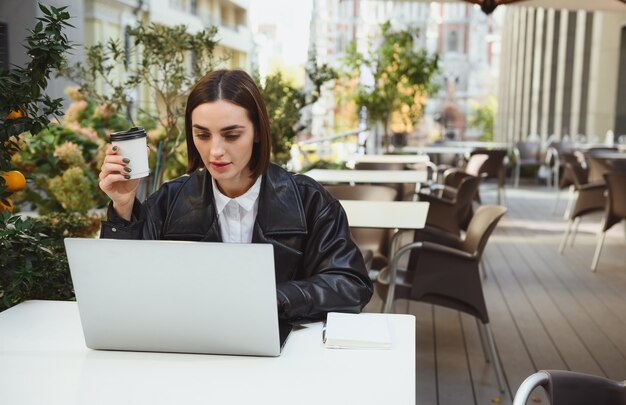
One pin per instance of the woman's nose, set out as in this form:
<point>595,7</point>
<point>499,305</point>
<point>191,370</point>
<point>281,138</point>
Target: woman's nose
<point>217,147</point>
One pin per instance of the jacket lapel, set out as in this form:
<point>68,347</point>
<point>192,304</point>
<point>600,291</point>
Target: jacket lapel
<point>280,206</point>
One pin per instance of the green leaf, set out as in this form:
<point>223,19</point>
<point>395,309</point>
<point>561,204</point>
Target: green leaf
<point>44,10</point>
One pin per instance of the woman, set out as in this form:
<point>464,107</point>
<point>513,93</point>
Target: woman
<point>232,193</point>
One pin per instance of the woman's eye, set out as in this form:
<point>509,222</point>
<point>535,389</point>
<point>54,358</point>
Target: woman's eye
<point>202,136</point>
<point>231,137</point>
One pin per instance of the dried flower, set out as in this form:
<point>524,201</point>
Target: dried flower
<point>156,134</point>
<point>73,190</point>
<point>74,93</point>
<point>69,154</point>
<point>75,111</point>
<point>86,131</point>
<point>104,111</point>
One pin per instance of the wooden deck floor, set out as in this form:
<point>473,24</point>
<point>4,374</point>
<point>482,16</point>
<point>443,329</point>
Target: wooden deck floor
<point>548,311</point>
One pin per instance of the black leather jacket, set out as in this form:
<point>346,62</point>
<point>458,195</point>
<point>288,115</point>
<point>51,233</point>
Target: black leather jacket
<point>318,267</point>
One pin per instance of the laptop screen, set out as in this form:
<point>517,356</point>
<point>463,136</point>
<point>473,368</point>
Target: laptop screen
<point>173,296</point>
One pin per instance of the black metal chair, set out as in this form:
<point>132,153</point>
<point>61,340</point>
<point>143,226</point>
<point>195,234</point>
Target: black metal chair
<point>527,153</point>
<point>451,208</point>
<point>558,153</point>
<point>493,168</point>
<point>563,178</point>
<point>615,209</point>
<point>590,199</point>
<point>572,388</point>
<point>447,276</point>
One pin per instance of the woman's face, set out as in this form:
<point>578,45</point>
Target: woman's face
<point>224,137</point>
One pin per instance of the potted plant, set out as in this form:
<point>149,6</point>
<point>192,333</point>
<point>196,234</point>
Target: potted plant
<point>401,76</point>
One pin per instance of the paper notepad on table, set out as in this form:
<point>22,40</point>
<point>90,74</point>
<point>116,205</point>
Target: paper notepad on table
<point>356,331</point>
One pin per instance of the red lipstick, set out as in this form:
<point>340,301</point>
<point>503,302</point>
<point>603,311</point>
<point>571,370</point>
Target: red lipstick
<point>220,166</point>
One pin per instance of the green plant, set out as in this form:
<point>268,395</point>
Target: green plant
<point>284,103</point>
<point>63,168</point>
<point>33,264</point>
<point>93,120</point>
<point>324,164</point>
<point>319,75</point>
<point>72,190</point>
<point>167,61</point>
<point>402,76</point>
<point>483,117</point>
<point>23,104</point>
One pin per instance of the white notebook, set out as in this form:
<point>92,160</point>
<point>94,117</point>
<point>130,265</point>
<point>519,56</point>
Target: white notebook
<point>356,331</point>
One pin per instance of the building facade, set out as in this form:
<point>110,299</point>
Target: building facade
<point>98,21</point>
<point>563,73</point>
<point>466,40</point>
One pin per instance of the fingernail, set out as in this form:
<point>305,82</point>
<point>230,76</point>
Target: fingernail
<point>128,169</point>
<point>127,176</point>
<point>126,160</point>
<point>115,148</point>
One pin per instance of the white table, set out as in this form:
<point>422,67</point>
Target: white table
<point>367,176</point>
<point>454,148</point>
<point>43,360</point>
<point>386,214</point>
<point>403,215</point>
<point>480,144</point>
<point>406,159</point>
<point>438,149</point>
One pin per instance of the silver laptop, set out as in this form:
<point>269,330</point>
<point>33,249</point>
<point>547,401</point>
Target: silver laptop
<point>171,296</point>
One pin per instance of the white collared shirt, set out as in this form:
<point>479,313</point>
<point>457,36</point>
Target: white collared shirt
<point>236,216</point>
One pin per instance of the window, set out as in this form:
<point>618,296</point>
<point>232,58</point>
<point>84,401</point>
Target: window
<point>453,41</point>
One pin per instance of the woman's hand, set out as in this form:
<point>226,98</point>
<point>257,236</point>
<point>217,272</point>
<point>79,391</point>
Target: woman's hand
<point>116,183</point>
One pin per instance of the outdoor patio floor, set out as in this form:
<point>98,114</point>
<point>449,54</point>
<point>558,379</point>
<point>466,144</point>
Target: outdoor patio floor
<point>547,310</point>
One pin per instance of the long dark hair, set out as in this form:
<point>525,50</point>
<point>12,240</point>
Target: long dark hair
<point>237,87</point>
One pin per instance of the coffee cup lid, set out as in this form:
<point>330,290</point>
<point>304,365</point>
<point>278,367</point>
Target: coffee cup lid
<point>132,133</point>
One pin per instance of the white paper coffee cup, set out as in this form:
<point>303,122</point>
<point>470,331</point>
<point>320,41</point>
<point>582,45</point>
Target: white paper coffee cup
<point>132,145</point>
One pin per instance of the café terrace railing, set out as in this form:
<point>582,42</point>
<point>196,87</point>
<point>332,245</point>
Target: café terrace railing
<point>305,153</point>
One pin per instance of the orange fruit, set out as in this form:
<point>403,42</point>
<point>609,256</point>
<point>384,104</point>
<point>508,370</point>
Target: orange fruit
<point>15,114</point>
<point>14,180</point>
<point>6,207</point>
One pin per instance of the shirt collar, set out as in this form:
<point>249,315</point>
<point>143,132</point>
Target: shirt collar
<point>246,200</point>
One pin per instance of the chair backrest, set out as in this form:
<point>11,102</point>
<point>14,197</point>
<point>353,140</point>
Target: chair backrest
<point>616,207</point>
<point>379,166</point>
<point>572,388</point>
<point>373,239</point>
<point>452,211</point>
<point>475,163</point>
<point>452,177</point>
<point>493,168</point>
<point>480,228</point>
<point>399,187</point>
<point>577,173</point>
<point>598,165</point>
<point>562,146</point>
<point>567,178</point>
<point>569,157</point>
<point>361,192</point>
<point>468,188</point>
<point>451,281</point>
<point>529,149</point>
